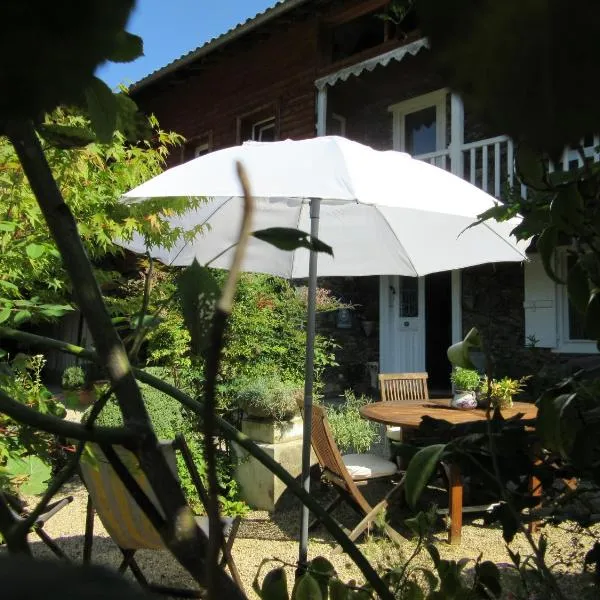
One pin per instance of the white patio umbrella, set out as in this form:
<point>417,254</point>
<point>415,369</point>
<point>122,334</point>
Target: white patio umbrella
<point>383,213</point>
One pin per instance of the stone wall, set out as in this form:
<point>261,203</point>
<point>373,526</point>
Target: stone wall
<point>356,348</point>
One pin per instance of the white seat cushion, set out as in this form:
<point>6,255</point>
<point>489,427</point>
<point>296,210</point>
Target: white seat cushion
<point>394,433</point>
<point>368,466</point>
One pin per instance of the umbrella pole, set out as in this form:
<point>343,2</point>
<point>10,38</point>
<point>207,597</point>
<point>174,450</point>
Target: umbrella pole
<point>315,208</point>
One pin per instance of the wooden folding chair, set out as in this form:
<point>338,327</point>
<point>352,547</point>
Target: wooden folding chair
<point>347,473</point>
<point>17,508</point>
<point>128,525</point>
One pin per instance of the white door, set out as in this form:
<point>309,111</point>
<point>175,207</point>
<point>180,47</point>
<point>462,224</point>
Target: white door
<point>403,324</point>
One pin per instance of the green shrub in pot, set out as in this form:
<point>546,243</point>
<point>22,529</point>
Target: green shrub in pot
<point>269,397</point>
<point>73,378</point>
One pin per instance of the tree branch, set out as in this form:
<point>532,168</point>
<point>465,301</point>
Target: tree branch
<point>190,550</point>
<point>68,470</point>
<point>108,435</point>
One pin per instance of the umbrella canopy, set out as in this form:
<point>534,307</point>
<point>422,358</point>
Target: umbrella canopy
<point>383,213</point>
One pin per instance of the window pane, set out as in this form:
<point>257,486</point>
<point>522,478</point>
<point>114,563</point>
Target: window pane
<point>409,297</point>
<point>264,131</point>
<point>576,322</point>
<point>421,131</point>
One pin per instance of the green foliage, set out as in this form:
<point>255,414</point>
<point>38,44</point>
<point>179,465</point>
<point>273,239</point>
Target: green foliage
<point>92,179</point>
<point>26,454</point>
<point>198,293</point>
<point>169,419</point>
<point>465,380</point>
<point>350,431</point>
<point>420,469</point>
<point>502,391</point>
<point>73,378</point>
<point>267,333</point>
<point>268,396</point>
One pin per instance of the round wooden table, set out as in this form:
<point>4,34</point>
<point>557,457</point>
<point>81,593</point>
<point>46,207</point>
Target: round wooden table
<point>408,414</point>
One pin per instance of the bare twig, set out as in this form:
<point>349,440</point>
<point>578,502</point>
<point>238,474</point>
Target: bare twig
<point>222,313</point>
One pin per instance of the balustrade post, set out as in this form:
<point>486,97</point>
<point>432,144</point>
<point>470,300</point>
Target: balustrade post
<point>457,134</point>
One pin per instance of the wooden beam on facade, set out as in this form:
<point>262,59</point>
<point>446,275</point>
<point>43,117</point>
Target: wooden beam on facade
<point>352,12</point>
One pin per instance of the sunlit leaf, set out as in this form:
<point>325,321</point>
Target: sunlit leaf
<point>35,251</point>
<point>306,588</point>
<point>30,472</point>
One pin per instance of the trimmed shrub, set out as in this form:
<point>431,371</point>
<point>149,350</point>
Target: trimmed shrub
<point>169,418</point>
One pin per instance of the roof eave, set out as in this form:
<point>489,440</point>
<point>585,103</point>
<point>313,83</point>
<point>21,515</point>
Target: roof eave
<point>231,35</point>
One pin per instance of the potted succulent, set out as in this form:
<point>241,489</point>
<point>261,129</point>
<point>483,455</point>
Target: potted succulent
<point>465,383</point>
<point>75,385</point>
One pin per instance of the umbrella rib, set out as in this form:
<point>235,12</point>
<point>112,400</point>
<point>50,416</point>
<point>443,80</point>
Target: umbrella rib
<point>378,211</point>
<point>503,239</point>
<point>210,216</point>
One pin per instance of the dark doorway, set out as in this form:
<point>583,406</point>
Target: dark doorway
<point>438,329</point>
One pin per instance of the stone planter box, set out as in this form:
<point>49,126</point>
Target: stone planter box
<point>283,442</point>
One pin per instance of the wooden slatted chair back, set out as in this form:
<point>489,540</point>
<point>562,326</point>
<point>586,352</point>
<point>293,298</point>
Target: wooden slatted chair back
<point>324,445</point>
<point>396,387</point>
<point>330,459</point>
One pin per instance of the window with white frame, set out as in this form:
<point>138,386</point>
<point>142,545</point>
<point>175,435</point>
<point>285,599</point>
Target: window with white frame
<point>260,125</point>
<point>197,146</point>
<point>264,130</point>
<point>420,124</point>
<point>572,336</point>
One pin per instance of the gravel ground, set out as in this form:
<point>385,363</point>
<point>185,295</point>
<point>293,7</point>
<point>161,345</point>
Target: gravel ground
<point>263,535</point>
<point>275,536</point>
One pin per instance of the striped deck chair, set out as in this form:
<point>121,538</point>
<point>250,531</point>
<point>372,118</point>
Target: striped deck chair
<point>125,521</point>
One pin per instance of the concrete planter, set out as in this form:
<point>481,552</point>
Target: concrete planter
<point>283,442</point>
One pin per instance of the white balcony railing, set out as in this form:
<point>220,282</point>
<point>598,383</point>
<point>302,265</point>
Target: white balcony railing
<point>489,163</point>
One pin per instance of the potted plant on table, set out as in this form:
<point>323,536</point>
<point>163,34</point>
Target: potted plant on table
<point>501,391</point>
<point>466,383</point>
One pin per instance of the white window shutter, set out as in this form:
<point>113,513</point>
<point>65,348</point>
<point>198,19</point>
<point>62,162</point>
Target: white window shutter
<point>540,304</point>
